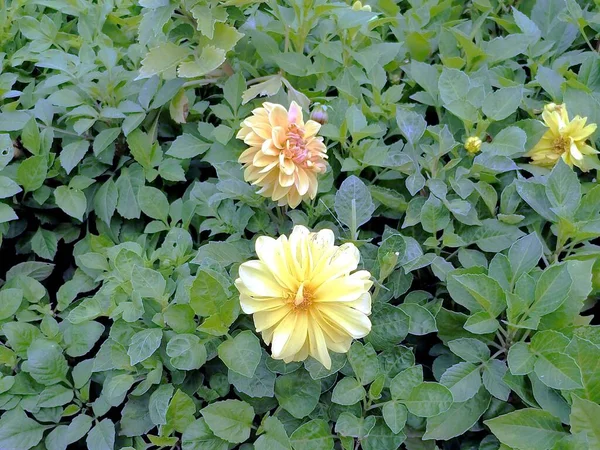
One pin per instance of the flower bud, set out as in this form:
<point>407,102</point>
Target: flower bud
<point>319,114</point>
<point>358,6</point>
<point>473,144</point>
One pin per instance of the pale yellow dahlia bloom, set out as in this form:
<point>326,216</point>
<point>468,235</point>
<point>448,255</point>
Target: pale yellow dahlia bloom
<point>285,154</point>
<point>305,296</point>
<point>564,139</point>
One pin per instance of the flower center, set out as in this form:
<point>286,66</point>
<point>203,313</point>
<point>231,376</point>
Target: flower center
<point>303,298</point>
<point>560,145</point>
<point>295,147</point>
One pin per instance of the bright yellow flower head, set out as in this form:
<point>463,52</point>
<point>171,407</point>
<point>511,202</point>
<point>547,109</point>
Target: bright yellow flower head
<point>285,154</point>
<point>305,295</point>
<point>564,139</point>
<point>473,144</point>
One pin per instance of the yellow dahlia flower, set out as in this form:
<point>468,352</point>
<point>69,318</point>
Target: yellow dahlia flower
<point>305,295</point>
<point>564,139</point>
<point>285,154</point>
<point>473,144</point>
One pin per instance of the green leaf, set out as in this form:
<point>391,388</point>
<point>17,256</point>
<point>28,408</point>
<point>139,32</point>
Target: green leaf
<point>207,295</point>
<point>524,255</point>
<point>71,201</point>
<point>364,362</point>
<point>230,420</point>
<point>102,436</point>
<point>348,424</point>
<point>558,371</point>
<point>382,437</point>
<point>72,154</point>
<point>428,400</point>
<point>587,357</point>
<point>493,379</point>
<point>471,350</point>
<point>584,419</point>
<point>148,283</point>
<point>186,352</point>
<point>458,419</point>
<point>7,213</point>
<point>105,200</point>
<point>180,412</point>
<point>19,431</point>
<point>210,59</point>
<point>242,353</point>
<point>348,391</point>
<point>187,146</point>
<point>8,187</point>
<point>502,103</point>
<point>404,382</point>
<point>508,142</point>
<point>551,291</point>
<point>483,290</point>
<point>143,344</point>
<point>153,203</point>
<point>520,359</point>
<point>389,326</point>
<point>163,59</point>
<point>394,415</point>
<point>353,203</point>
<point>434,215</point>
<point>297,393</point>
<point>541,428</point>
<point>45,362</point>
<point>44,243</point>
<point>313,435</point>
<point>198,436</point>
<point>463,380</point>
<point>32,172</point>
<point>10,300</point>
<point>563,190</point>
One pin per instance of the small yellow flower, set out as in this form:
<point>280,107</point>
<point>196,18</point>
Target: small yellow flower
<point>285,154</point>
<point>358,6</point>
<point>564,139</point>
<point>305,295</point>
<point>473,144</point>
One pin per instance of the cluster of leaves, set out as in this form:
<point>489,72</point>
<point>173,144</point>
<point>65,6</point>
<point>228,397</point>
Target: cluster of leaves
<point>124,217</point>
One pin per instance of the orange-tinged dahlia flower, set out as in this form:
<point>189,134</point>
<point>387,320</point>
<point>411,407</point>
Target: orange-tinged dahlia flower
<point>285,155</point>
<point>305,295</point>
<point>564,139</point>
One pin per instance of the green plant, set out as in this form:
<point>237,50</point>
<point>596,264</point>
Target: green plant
<point>125,216</point>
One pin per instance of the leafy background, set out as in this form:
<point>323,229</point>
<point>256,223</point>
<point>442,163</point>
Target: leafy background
<point>124,217</point>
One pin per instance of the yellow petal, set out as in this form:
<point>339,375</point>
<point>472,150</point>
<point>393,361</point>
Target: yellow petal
<point>267,319</point>
<point>278,117</point>
<point>353,322</point>
<point>250,304</point>
<point>318,345</point>
<point>270,252</point>
<point>258,280</point>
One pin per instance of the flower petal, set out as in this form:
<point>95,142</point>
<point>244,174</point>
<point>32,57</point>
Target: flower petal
<point>259,280</point>
<point>353,322</point>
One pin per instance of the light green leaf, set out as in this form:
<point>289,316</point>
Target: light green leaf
<point>163,59</point>
<point>542,429</point>
<point>153,203</point>
<point>463,380</point>
<point>230,420</point>
<point>71,201</point>
<point>348,391</point>
<point>313,435</point>
<point>242,353</point>
<point>429,399</point>
<point>198,436</point>
<point>585,418</point>
<point>102,436</point>
<point>502,103</point>
<point>17,431</point>
<point>458,419</point>
<point>297,393</point>
<point>32,172</point>
<point>143,344</point>
<point>72,154</point>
